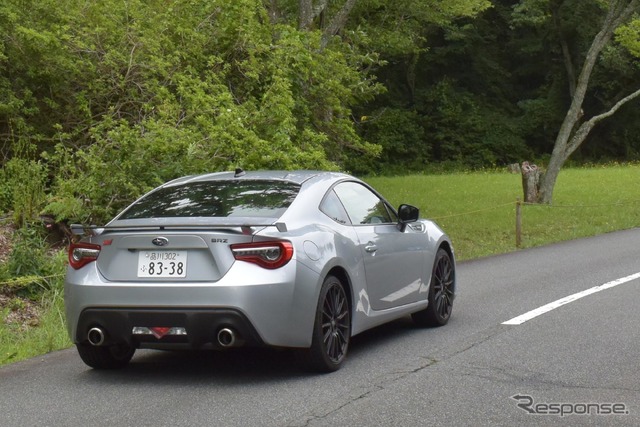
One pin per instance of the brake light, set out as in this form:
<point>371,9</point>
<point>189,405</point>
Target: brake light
<point>269,255</point>
<point>81,254</point>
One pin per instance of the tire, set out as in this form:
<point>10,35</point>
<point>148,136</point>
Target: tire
<point>331,330</point>
<point>105,357</point>
<point>441,293</point>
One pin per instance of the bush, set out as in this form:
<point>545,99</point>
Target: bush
<point>31,267</point>
<point>23,182</point>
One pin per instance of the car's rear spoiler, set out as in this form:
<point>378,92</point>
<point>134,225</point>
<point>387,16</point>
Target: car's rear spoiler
<point>80,229</point>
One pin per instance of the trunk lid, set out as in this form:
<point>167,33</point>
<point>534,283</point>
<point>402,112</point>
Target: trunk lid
<point>168,255</point>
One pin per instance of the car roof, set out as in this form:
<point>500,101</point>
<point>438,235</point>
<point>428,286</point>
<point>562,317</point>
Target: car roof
<point>297,176</point>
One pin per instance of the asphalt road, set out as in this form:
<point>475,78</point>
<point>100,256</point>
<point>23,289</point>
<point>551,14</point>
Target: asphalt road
<point>580,357</point>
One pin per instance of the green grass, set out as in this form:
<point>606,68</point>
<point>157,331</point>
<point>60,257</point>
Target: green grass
<point>19,343</point>
<point>478,209</point>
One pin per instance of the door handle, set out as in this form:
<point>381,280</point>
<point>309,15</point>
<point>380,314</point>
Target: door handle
<point>370,248</point>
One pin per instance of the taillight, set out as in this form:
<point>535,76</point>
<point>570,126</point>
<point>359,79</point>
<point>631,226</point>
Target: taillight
<point>266,254</point>
<point>81,254</point>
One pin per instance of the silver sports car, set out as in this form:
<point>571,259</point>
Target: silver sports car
<point>301,259</point>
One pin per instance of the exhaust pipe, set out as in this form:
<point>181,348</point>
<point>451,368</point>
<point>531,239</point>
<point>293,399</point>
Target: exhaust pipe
<point>95,336</point>
<point>226,337</point>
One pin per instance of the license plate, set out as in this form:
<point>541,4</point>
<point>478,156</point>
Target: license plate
<point>162,264</point>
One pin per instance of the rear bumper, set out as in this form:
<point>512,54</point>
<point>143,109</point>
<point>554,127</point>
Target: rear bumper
<point>270,307</point>
<point>201,327</point>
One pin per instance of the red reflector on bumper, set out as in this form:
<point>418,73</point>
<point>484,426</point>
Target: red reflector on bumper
<point>159,331</point>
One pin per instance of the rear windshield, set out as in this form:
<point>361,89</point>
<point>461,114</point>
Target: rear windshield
<point>243,198</point>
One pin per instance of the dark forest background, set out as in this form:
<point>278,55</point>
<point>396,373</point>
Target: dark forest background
<point>102,101</point>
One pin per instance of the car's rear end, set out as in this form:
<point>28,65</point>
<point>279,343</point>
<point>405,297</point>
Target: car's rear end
<point>200,262</point>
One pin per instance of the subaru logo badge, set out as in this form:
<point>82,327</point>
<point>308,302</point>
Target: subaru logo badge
<point>160,241</point>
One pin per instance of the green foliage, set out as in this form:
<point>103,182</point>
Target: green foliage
<point>401,135</point>
<point>35,72</point>
<point>102,101</point>
<point>32,267</point>
<point>24,185</point>
<point>468,132</point>
<point>531,12</point>
<point>396,29</point>
<point>629,37</point>
<point>6,192</point>
<point>218,87</point>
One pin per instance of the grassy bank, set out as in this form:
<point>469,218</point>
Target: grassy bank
<point>31,297</point>
<point>476,209</point>
<point>32,328</point>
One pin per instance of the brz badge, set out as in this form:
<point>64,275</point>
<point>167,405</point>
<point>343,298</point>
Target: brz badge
<point>160,241</point>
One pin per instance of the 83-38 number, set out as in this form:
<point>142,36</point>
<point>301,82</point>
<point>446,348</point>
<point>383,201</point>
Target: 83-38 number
<point>171,268</point>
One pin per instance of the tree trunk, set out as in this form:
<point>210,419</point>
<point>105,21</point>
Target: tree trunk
<point>308,12</point>
<point>530,182</point>
<point>305,14</point>
<point>338,22</point>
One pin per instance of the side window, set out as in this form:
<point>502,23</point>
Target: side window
<point>332,207</point>
<point>362,205</point>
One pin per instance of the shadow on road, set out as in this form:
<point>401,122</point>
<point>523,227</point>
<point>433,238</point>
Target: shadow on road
<point>242,364</point>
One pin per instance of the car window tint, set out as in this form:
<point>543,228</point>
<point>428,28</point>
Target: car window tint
<point>362,205</point>
<point>242,198</point>
<point>332,207</point>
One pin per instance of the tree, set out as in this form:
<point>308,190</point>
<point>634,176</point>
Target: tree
<point>575,127</point>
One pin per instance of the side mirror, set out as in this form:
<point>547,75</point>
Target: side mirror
<point>407,214</point>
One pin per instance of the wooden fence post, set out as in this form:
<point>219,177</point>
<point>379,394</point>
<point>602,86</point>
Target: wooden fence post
<point>518,223</point>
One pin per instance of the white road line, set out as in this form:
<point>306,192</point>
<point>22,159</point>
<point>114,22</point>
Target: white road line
<point>566,300</point>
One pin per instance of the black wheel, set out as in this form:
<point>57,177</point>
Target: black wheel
<point>105,357</point>
<point>441,293</point>
<point>332,328</point>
